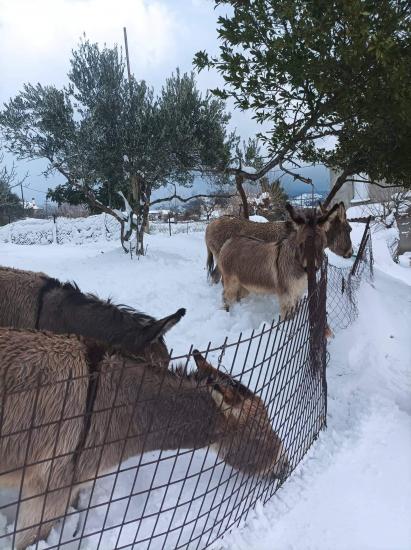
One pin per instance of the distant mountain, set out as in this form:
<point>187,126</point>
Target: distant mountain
<point>306,199</point>
<point>319,175</point>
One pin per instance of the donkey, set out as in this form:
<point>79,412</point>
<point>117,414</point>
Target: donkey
<point>249,265</point>
<point>34,300</point>
<point>220,230</point>
<point>73,409</point>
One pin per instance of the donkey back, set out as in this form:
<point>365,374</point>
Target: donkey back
<point>36,301</point>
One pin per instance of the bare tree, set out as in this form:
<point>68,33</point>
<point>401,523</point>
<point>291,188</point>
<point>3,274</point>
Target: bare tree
<point>391,205</point>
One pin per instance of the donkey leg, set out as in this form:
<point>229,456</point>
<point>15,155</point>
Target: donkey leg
<point>212,268</point>
<point>289,299</point>
<point>282,465</point>
<point>39,512</point>
<point>242,293</point>
<point>287,305</point>
<point>215,275</point>
<point>230,293</point>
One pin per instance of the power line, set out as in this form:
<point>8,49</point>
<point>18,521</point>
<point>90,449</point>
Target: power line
<point>36,190</point>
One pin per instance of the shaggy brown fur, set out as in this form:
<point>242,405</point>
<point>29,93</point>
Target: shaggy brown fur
<point>252,265</point>
<point>224,228</point>
<point>45,382</point>
<point>34,300</point>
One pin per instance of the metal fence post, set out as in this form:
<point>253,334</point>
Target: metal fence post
<point>362,246</point>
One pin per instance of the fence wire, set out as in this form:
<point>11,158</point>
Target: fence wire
<point>108,451</point>
<point>343,283</point>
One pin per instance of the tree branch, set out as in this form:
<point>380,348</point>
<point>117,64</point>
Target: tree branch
<point>296,176</point>
<point>339,182</point>
<point>286,150</point>
<point>175,196</point>
<point>88,192</point>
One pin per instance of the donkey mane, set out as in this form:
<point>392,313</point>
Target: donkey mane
<point>76,297</point>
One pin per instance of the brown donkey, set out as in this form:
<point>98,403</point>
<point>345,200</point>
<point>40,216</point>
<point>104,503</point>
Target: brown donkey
<point>71,410</point>
<point>252,265</point>
<point>36,301</point>
<point>224,228</point>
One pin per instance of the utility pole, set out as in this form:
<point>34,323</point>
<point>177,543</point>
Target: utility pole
<point>134,182</point>
<point>127,56</point>
<point>22,196</point>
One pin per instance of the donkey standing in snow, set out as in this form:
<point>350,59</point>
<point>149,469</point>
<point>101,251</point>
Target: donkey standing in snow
<point>224,228</point>
<point>252,265</point>
<point>72,409</point>
<point>36,301</point>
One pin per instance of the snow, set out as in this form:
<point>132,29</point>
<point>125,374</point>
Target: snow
<point>306,199</point>
<point>405,259</point>
<point>33,231</point>
<point>237,165</point>
<point>257,218</point>
<point>80,231</point>
<point>261,198</point>
<point>353,489</point>
<point>249,169</point>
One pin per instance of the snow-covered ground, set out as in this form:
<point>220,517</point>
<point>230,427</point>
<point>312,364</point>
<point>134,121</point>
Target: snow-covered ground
<point>353,490</point>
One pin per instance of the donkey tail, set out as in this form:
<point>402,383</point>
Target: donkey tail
<point>213,272</point>
<point>210,262</point>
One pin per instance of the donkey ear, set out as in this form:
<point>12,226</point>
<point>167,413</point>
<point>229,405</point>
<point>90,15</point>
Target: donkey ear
<point>342,214</point>
<point>203,366</point>
<point>225,397</point>
<point>322,208</point>
<point>329,216</point>
<point>157,329</point>
<point>294,215</point>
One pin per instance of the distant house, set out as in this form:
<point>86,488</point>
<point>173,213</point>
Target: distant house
<point>31,205</point>
<point>306,200</point>
<point>158,215</point>
<point>359,192</point>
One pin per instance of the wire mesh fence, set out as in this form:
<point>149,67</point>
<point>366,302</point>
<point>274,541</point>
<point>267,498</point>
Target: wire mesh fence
<point>114,451</point>
<point>343,283</point>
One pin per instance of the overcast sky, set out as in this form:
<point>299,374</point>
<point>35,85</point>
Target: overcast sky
<point>37,36</point>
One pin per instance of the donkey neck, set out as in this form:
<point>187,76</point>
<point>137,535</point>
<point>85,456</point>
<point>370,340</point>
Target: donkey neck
<point>67,310</point>
<point>288,261</point>
<point>152,408</point>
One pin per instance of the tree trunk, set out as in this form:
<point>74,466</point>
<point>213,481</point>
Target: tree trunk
<point>239,179</point>
<point>142,218</point>
<point>146,209</point>
<point>339,182</point>
<point>137,191</point>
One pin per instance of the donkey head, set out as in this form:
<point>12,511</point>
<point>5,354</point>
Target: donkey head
<point>247,441</point>
<point>311,228</point>
<point>338,234</point>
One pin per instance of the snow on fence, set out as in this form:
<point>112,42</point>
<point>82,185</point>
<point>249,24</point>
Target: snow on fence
<point>174,228</point>
<point>61,230</point>
<point>183,494</point>
<point>101,227</point>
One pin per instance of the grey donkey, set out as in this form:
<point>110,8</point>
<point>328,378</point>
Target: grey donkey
<point>72,409</point>
<point>224,228</point>
<point>36,301</point>
<point>280,267</point>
